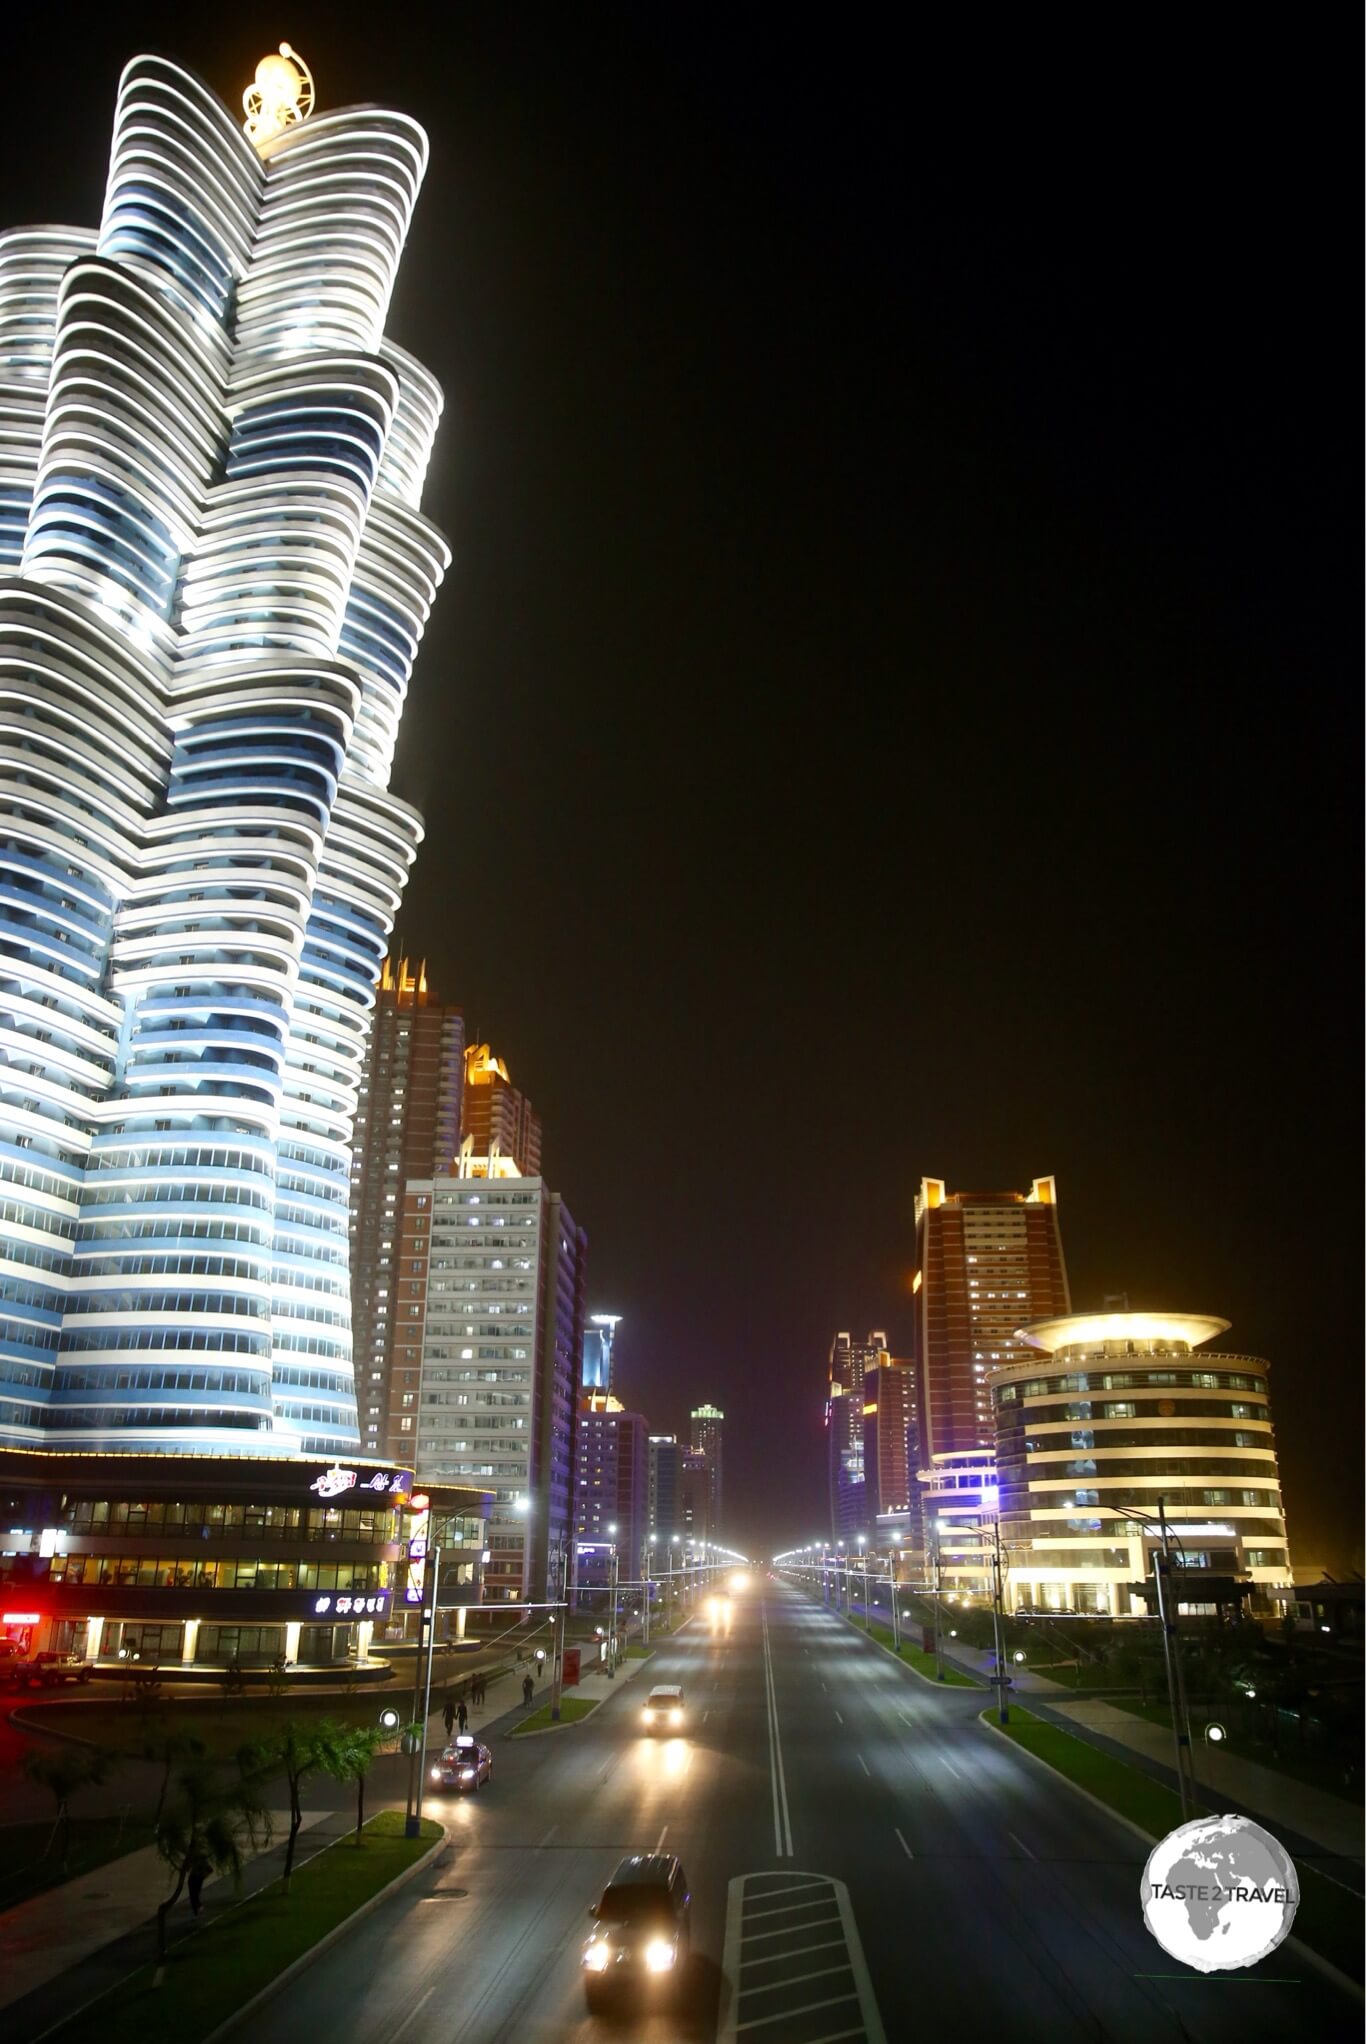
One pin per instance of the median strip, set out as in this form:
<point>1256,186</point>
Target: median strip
<point>573,1710</point>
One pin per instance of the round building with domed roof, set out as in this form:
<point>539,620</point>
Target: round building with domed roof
<point>1113,1413</point>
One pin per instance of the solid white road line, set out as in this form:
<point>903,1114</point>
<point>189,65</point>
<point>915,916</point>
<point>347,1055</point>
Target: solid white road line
<point>782,1820</point>
<point>904,1847</point>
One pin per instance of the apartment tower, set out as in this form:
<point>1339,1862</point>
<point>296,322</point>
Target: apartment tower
<point>497,1120</point>
<point>214,578</point>
<point>407,1126</point>
<point>985,1263</point>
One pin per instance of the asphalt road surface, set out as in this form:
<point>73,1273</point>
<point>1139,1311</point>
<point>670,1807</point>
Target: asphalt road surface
<point>867,1861</point>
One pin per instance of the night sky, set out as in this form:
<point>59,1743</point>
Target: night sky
<point>894,709</point>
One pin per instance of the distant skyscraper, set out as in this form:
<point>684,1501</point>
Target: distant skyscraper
<point>708,1438</point>
<point>890,1441</point>
<point>216,578</point>
<point>487,1358</point>
<point>599,1342</point>
<point>665,1464</point>
<point>611,1486</point>
<point>986,1262</point>
<point>849,1360</point>
<point>407,1126</point>
<point>694,1498</point>
<point>497,1121</point>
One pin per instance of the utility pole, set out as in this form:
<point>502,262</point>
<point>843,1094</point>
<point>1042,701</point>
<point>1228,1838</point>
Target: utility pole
<point>422,1707</point>
<point>998,1625</point>
<point>612,1623</point>
<point>938,1642</point>
<point>562,1586</point>
<point>646,1586</point>
<point>1169,1615</point>
<point>896,1615</point>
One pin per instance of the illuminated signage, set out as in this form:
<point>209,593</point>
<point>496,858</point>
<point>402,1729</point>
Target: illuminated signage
<point>381,1482</point>
<point>21,1617</point>
<point>351,1607</point>
<point>417,1550</point>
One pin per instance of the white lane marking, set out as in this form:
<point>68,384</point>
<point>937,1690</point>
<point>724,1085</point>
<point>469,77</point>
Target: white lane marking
<point>872,2021</point>
<point>822,1685</point>
<point>820,1973</point>
<point>1023,1847</point>
<point>784,1958</point>
<point>831,2001</point>
<point>864,1765</point>
<point>414,2010</point>
<point>906,1718</point>
<point>904,1847</point>
<point>838,1716</point>
<point>787,1908</point>
<point>754,1937</point>
<point>548,1836</point>
<point>952,1769</point>
<point>782,1819</point>
<point>706,1714</point>
<point>659,1842</point>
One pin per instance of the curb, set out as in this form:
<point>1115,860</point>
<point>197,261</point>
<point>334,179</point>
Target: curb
<point>564,1725</point>
<point>1342,1981</point>
<point>942,1688</point>
<point>338,1931</point>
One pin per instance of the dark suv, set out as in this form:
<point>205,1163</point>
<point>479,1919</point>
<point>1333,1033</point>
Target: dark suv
<point>642,1935</point>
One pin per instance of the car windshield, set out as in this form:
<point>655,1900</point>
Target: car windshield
<point>666,1699</point>
<point>635,1905</point>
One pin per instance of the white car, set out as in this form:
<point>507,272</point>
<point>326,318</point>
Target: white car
<point>664,1709</point>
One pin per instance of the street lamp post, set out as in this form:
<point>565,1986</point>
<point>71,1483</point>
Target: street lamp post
<point>998,1624</point>
<point>647,1560</point>
<point>937,1529</point>
<point>562,1590</point>
<point>417,1758</point>
<point>863,1557</point>
<point>891,1570</point>
<point>1168,1619</point>
<point>612,1620</point>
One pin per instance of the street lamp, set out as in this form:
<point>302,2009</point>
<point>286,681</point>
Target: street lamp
<point>893,1550</point>
<point>1171,1652</point>
<point>863,1557</point>
<point>612,1625</point>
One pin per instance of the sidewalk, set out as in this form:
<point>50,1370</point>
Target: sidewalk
<point>1328,1822</point>
<point>501,1717</point>
<point>52,1934</point>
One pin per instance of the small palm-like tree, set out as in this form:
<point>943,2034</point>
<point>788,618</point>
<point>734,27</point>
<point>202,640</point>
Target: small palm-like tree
<point>211,1820</point>
<point>63,1771</point>
<point>295,1751</point>
<point>350,1760</point>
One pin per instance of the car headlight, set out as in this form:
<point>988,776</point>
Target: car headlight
<point>467,1774</point>
<point>649,1716</point>
<point>659,1955</point>
<point>595,1957</point>
<point>675,1717</point>
<point>436,1774</point>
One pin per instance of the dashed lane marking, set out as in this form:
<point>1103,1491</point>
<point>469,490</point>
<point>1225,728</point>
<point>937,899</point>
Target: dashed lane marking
<point>1021,1844</point>
<point>864,1765</point>
<point>904,1847</point>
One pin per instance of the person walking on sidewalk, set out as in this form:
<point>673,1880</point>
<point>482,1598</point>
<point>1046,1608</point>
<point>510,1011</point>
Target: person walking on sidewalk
<point>462,1716</point>
<point>198,1874</point>
<point>528,1689</point>
<point>448,1717</point>
<point>477,1689</point>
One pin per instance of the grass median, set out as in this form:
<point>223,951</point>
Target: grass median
<point>572,1710</point>
<point>1329,1918</point>
<point>211,1975</point>
<point>923,1663</point>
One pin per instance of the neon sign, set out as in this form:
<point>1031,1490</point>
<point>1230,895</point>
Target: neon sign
<point>351,1607</point>
<point>21,1617</point>
<point>417,1549</point>
<point>383,1482</point>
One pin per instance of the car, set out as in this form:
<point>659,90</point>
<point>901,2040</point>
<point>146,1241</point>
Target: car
<point>464,1764</point>
<point>664,1708</point>
<point>51,1668</point>
<point>642,1929</point>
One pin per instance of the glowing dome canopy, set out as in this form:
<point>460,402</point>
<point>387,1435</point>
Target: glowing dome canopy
<point>1093,1330</point>
<point>280,97</point>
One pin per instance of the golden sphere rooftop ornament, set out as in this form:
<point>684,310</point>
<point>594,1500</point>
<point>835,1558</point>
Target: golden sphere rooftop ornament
<point>280,97</point>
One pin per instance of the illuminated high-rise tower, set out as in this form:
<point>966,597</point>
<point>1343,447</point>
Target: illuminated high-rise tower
<point>214,576</point>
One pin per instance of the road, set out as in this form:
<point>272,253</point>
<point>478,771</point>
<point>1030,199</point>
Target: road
<point>978,1890</point>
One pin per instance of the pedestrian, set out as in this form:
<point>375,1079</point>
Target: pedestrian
<point>478,1689</point>
<point>198,1874</point>
<point>462,1716</point>
<point>448,1715</point>
<point>528,1689</point>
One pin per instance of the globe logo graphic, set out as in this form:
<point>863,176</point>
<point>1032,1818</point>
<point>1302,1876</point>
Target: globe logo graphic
<point>1219,1893</point>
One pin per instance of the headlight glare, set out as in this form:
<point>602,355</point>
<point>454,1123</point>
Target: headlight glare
<point>595,1957</point>
<point>659,1955</point>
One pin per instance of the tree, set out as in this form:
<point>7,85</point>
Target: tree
<point>210,1820</point>
<point>166,1743</point>
<point>295,1751</point>
<point>350,1760</point>
<point>62,1772</point>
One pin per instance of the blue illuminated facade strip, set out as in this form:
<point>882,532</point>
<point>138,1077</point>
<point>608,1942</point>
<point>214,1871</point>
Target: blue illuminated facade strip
<point>214,580</point>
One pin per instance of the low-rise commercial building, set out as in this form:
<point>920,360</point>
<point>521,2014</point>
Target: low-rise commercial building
<point>203,1561</point>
